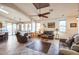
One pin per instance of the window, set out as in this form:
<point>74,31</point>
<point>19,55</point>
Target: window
<point>22,27</point>
<point>14,28</point>
<point>9,28</point>
<point>17,27</point>
<point>62,26</point>
<point>29,27</point>
<point>4,29</point>
<point>26,27</point>
<point>37,27</point>
<point>33,26</point>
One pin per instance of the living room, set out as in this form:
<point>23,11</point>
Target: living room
<point>39,28</point>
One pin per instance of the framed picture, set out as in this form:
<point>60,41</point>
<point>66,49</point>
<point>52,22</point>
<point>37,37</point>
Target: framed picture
<point>73,24</point>
<point>51,25</point>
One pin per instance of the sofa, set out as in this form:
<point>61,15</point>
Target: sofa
<point>64,51</point>
<point>3,36</point>
<point>47,34</point>
<point>72,45</point>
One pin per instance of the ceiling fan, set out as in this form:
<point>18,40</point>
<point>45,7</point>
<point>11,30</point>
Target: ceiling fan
<point>42,15</point>
<point>39,6</point>
<point>42,5</point>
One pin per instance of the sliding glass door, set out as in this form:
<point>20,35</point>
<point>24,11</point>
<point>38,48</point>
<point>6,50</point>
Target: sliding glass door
<point>9,28</point>
<point>26,27</point>
<point>14,28</point>
<point>29,28</point>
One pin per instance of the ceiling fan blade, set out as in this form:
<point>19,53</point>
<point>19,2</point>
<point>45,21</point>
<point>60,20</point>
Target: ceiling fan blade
<point>43,16</point>
<point>45,13</point>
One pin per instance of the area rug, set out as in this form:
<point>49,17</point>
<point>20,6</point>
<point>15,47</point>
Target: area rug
<point>40,46</point>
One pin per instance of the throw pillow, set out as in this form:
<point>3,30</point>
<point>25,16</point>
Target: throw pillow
<point>76,39</point>
<point>69,42</point>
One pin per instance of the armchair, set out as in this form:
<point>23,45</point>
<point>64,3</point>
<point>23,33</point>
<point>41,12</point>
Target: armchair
<point>20,38</point>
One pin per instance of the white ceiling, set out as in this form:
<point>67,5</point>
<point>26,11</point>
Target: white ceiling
<point>64,9</point>
<point>13,14</point>
<point>27,11</point>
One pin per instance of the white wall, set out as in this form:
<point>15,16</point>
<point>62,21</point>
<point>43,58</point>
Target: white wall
<point>69,31</point>
<point>46,22</point>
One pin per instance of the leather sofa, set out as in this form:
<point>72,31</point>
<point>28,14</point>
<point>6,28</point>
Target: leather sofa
<point>64,51</point>
<point>3,36</point>
<point>47,34</point>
